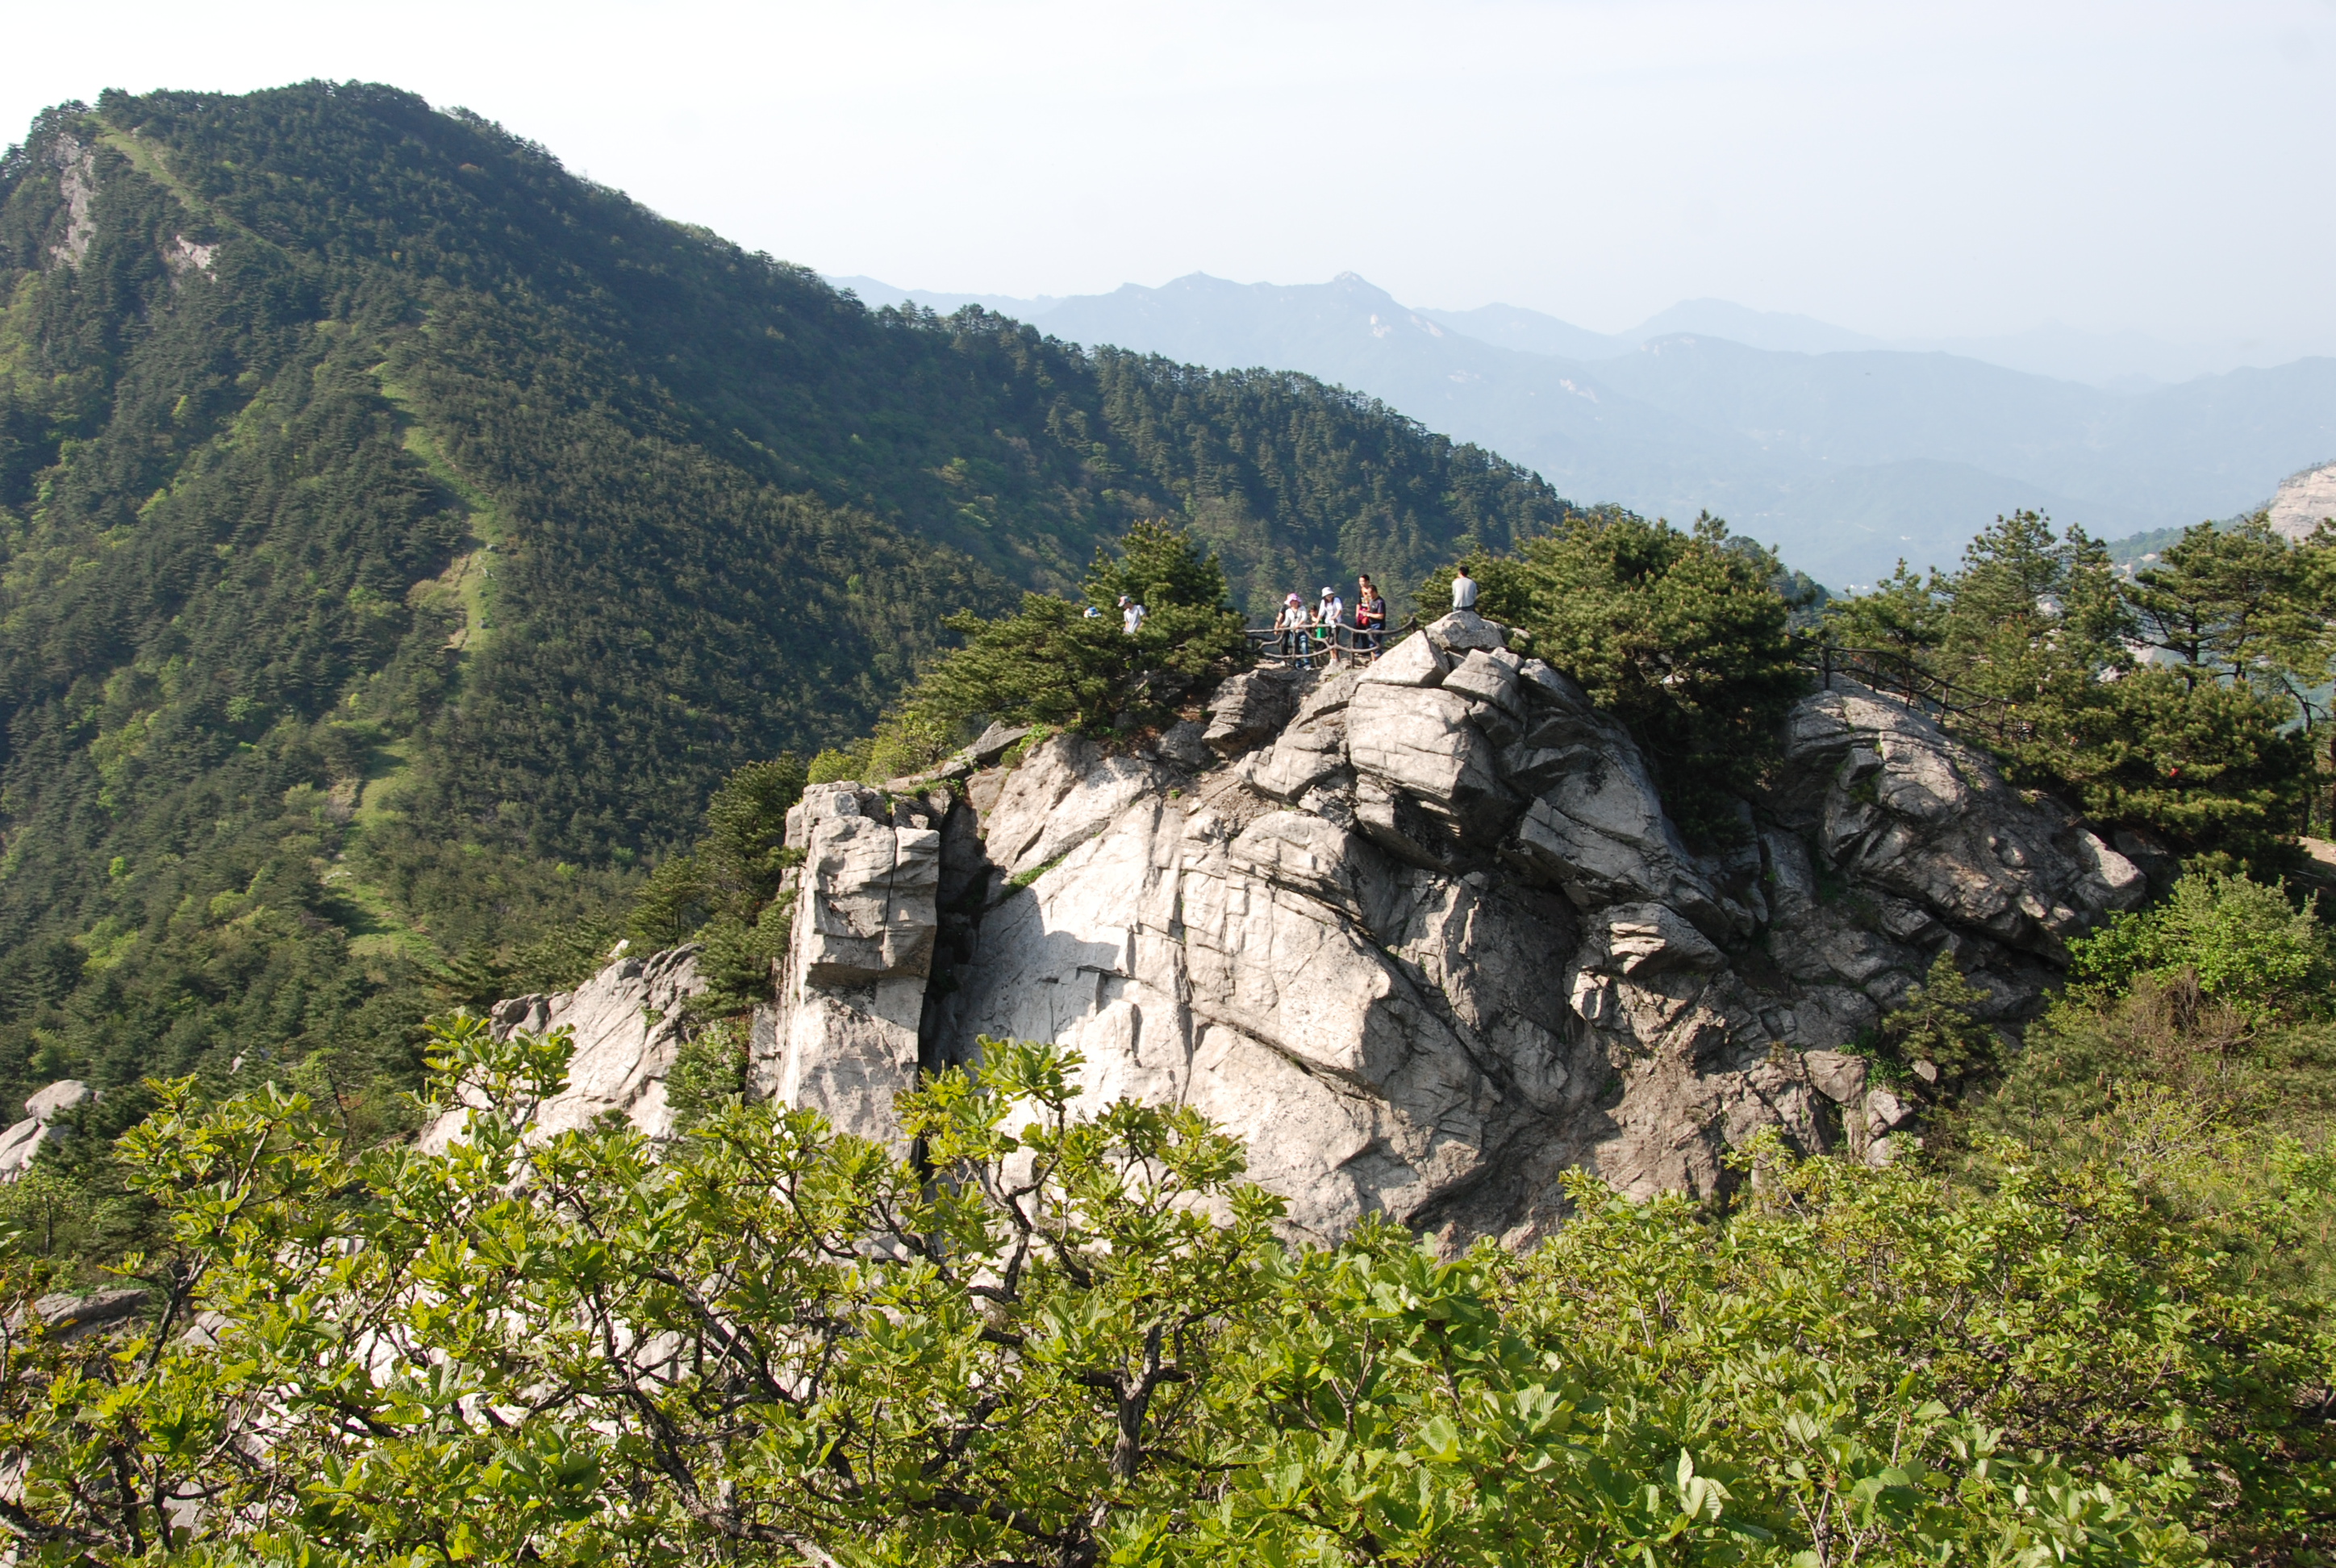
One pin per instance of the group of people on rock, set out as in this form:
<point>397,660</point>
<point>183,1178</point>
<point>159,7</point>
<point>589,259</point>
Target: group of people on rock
<point>1312,637</point>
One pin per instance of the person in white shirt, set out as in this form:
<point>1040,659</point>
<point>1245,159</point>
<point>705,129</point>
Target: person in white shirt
<point>1329,610</point>
<point>1463,588</point>
<point>1130,615</point>
<point>1292,623</point>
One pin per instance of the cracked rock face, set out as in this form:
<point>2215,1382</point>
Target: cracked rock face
<point>1426,939</point>
<point>843,1037</point>
<point>628,1021</point>
<point>1910,813</point>
<point>77,166</point>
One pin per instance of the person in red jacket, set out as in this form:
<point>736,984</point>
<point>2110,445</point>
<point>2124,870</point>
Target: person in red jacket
<point>1371,616</point>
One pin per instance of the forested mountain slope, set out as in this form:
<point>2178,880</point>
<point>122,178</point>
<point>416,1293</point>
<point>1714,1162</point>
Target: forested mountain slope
<point>401,536</point>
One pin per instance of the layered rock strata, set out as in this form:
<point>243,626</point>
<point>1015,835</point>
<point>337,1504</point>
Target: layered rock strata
<point>1426,939</point>
<point>845,1034</point>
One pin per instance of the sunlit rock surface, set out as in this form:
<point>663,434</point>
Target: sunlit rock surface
<point>1423,936</point>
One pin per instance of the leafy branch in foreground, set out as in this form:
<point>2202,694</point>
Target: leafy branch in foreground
<point>1065,1333</point>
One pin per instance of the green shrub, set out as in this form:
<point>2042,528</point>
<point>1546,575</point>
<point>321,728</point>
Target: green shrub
<point>2244,944</point>
<point>708,1073</point>
<point>833,766</point>
<point>1001,1348</point>
<point>2225,1127</point>
<point>1503,589</point>
<point>1682,635</point>
<point>739,954</point>
<point>2205,766</point>
<point>1937,1024</point>
<point>722,892</point>
<point>906,743</point>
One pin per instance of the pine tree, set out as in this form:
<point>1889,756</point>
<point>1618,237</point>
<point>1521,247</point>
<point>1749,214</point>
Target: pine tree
<point>1073,665</point>
<point>1936,1027</point>
<point>1683,634</point>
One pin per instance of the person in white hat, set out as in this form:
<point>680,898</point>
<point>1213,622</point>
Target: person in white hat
<point>1291,623</point>
<point>1329,611</point>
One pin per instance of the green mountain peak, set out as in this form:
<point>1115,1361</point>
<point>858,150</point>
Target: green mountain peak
<point>403,537</point>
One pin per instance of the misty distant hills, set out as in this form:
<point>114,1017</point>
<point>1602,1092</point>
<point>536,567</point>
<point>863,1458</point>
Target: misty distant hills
<point>1845,454</point>
<point>1513,327</point>
<point>2116,361</point>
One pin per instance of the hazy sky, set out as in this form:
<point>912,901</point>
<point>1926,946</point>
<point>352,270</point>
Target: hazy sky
<point>1956,167</point>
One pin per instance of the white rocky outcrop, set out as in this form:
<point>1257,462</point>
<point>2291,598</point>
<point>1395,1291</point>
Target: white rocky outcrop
<point>628,1023</point>
<point>77,166</point>
<point>2305,501</point>
<point>843,1037</point>
<point>42,1126</point>
<point>1427,939</point>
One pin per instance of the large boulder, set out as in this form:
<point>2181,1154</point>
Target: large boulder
<point>65,1094</point>
<point>1424,743</point>
<point>1896,804</point>
<point>42,1126</point>
<point>843,1037</point>
<point>1311,749</point>
<point>69,1315</point>
<point>1252,707</point>
<point>1464,631</point>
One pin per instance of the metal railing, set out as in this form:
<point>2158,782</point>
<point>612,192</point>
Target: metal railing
<point>1325,647</point>
<point>1892,672</point>
<point>1887,672</point>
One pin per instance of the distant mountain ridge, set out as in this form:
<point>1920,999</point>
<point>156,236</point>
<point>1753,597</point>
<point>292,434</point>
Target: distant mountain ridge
<point>1846,459</point>
<point>2115,361</point>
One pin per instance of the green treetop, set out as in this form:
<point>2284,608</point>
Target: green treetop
<point>1072,664</point>
<point>1682,634</point>
<point>2162,703</point>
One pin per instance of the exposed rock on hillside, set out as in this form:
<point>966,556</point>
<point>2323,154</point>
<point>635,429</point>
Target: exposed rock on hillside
<point>2305,501</point>
<point>40,1127</point>
<point>1429,940</point>
<point>845,1036</point>
<point>629,1022</point>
